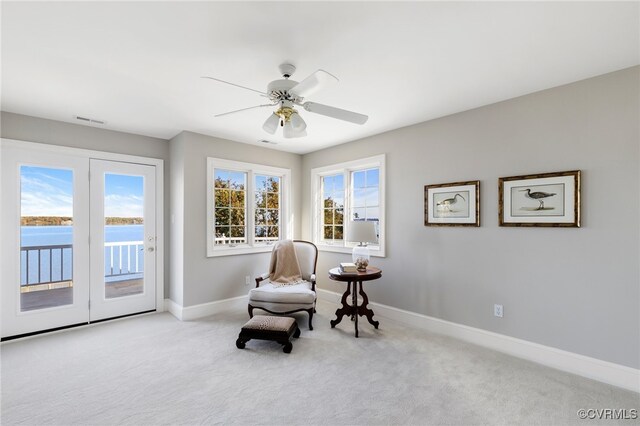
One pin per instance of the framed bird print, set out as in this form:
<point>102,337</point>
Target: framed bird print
<point>547,199</point>
<point>452,204</point>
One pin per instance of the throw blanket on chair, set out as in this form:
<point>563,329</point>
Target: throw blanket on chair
<point>284,268</point>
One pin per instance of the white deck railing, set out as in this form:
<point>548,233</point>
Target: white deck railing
<point>40,266</point>
<point>116,264</point>
<point>242,240</point>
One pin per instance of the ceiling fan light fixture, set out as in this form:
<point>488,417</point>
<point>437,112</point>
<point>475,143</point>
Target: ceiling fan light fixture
<point>271,124</point>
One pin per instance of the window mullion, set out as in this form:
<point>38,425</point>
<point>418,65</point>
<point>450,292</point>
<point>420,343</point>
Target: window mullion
<point>250,209</point>
<point>347,205</point>
<point>212,234</point>
<point>320,209</point>
<point>321,215</point>
<point>281,208</point>
<point>317,194</point>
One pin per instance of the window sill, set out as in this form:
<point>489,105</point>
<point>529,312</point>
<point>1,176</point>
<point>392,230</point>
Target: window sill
<point>349,250</point>
<point>236,251</point>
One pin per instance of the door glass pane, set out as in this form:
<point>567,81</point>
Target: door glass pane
<point>46,237</point>
<point>123,235</point>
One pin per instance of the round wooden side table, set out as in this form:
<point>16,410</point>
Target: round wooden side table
<point>355,280</point>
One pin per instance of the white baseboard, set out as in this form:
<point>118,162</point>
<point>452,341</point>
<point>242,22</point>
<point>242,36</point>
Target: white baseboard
<point>592,368</point>
<point>173,308</point>
<point>205,309</point>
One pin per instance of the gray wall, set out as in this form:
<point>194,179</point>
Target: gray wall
<point>574,289</point>
<point>32,129</point>
<point>208,279</point>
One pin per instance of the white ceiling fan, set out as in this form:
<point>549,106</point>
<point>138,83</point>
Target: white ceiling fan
<point>285,94</point>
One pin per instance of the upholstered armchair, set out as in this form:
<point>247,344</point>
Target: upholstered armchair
<point>287,299</point>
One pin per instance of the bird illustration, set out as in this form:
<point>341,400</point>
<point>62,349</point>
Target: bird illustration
<point>538,196</point>
<point>447,203</point>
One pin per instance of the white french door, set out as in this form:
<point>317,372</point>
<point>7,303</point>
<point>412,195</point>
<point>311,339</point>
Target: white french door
<point>123,239</point>
<point>45,237</point>
<point>78,239</point>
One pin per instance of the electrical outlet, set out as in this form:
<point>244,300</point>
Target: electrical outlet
<point>498,311</point>
<point>247,280</point>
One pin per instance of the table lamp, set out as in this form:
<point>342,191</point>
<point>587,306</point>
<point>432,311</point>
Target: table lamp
<point>361,232</point>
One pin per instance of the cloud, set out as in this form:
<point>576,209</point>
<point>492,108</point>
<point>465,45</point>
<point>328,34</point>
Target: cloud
<point>123,206</point>
<point>39,198</point>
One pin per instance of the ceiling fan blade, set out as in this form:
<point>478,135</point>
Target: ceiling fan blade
<point>244,109</point>
<point>333,112</point>
<point>237,85</point>
<point>312,84</point>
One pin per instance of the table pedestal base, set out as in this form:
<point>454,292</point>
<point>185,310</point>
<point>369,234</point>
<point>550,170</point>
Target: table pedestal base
<point>354,310</point>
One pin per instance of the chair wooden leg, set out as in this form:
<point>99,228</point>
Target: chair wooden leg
<point>311,318</point>
<point>250,311</point>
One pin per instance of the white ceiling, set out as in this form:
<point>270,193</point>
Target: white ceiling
<point>137,65</point>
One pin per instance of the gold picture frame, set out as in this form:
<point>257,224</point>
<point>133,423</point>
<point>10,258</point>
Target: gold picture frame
<point>452,204</point>
<point>543,199</point>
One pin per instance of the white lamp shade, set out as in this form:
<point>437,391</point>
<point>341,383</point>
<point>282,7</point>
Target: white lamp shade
<point>271,125</point>
<point>290,132</point>
<point>362,231</point>
<point>297,122</point>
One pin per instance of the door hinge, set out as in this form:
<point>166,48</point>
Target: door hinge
<point>89,175</point>
<point>89,239</point>
<point>89,304</point>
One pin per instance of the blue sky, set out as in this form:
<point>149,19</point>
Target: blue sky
<point>365,191</point>
<point>49,192</point>
<point>46,191</point>
<point>124,196</point>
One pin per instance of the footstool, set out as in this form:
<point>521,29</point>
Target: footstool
<point>263,327</point>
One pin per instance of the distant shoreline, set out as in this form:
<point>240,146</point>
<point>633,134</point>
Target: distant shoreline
<point>68,221</point>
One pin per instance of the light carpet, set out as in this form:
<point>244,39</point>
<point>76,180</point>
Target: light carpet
<point>155,369</point>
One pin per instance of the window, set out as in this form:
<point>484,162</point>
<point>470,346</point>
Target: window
<point>247,207</point>
<point>347,192</point>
